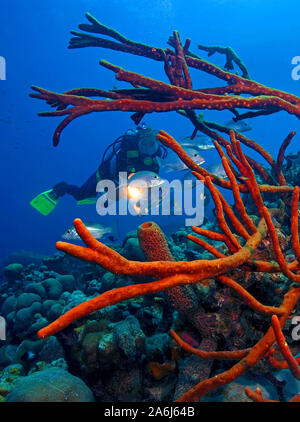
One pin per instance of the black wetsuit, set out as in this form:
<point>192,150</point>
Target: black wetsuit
<point>87,190</point>
<point>128,159</point>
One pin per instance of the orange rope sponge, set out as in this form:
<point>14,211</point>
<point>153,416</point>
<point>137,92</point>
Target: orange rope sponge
<point>175,277</point>
<point>173,273</point>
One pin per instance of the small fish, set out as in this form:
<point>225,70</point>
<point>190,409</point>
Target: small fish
<point>148,178</point>
<point>174,163</point>
<point>199,142</point>
<point>217,169</point>
<point>134,186</point>
<point>139,185</point>
<point>240,126</point>
<point>96,229</point>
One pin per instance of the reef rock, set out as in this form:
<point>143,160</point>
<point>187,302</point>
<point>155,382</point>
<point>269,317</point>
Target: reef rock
<point>50,385</point>
<point>13,271</point>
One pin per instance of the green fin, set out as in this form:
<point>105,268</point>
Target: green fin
<point>44,202</point>
<point>87,201</point>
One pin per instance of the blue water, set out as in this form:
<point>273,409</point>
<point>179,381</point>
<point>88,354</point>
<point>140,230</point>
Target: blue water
<point>34,39</point>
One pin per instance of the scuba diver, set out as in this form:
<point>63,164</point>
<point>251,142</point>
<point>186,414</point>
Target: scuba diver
<point>136,150</point>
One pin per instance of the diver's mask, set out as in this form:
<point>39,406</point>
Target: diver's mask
<point>148,143</point>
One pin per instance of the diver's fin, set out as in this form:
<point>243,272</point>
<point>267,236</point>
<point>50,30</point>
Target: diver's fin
<point>87,201</point>
<point>45,203</point>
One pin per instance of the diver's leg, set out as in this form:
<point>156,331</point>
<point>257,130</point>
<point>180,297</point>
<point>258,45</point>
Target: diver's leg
<point>87,190</point>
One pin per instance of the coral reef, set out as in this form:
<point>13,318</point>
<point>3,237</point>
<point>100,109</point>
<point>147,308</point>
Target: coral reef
<point>129,336</point>
<point>230,308</point>
<point>50,385</point>
<point>291,363</point>
<point>174,274</point>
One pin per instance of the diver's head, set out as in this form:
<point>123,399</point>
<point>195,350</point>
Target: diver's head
<point>146,139</point>
<point>148,143</point>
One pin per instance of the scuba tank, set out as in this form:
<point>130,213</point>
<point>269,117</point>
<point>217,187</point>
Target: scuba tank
<point>136,150</point>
